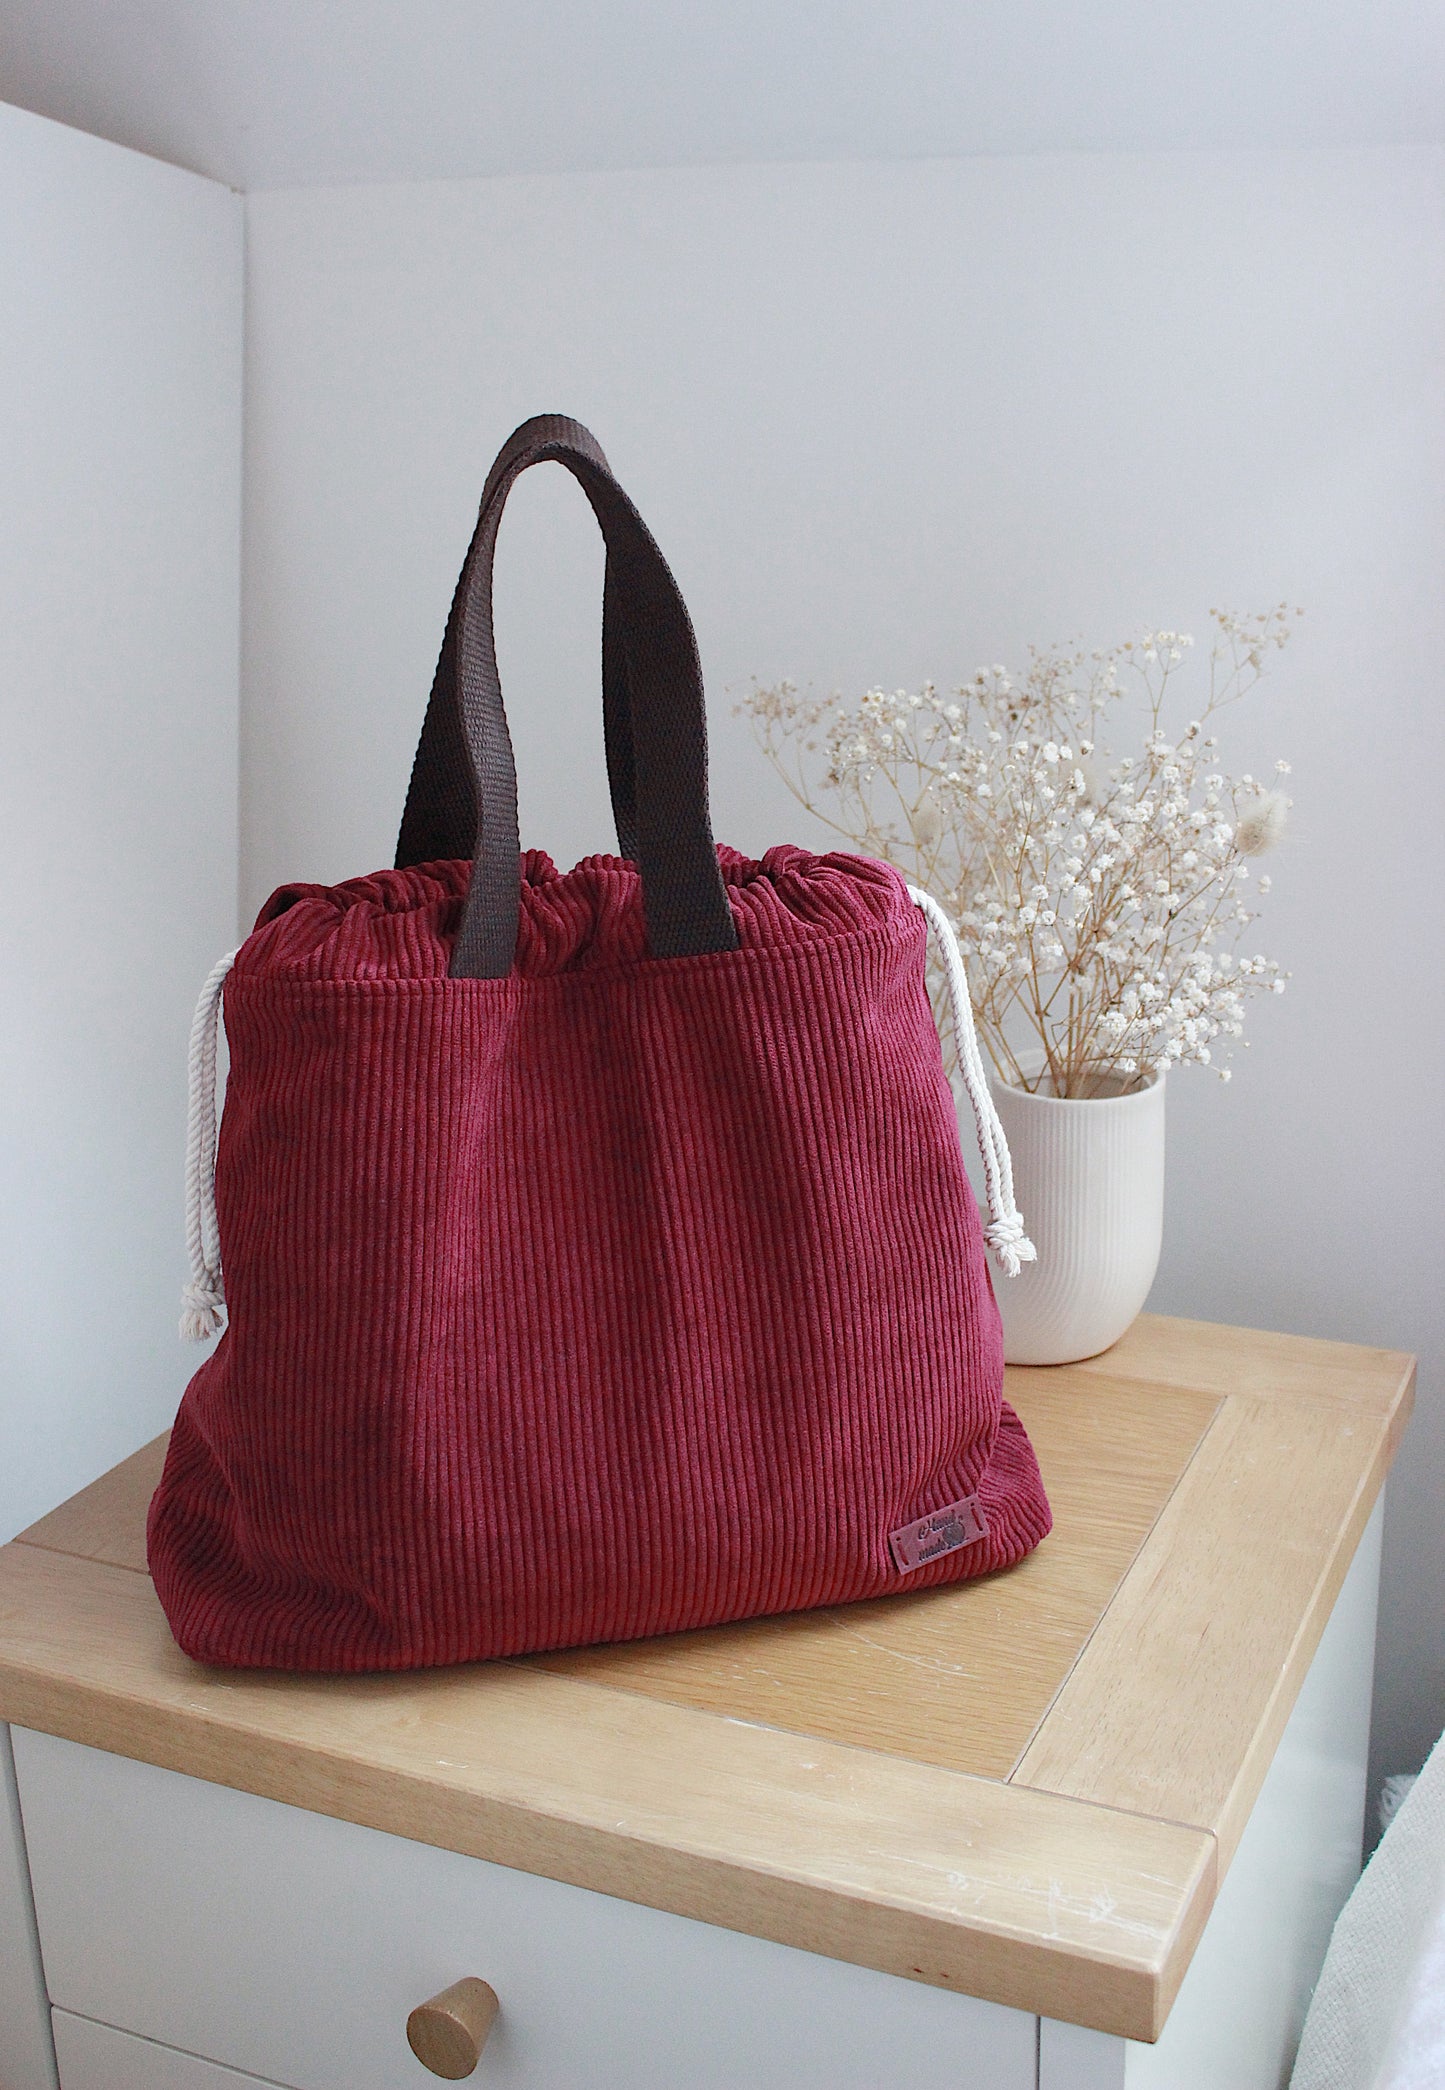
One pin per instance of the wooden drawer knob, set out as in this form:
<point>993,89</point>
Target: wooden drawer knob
<point>448,2033</point>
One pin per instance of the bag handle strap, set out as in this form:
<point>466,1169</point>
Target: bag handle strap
<point>463,794</point>
<point>617,715</point>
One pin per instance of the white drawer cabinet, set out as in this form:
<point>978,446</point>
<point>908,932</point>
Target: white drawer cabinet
<point>293,1946</point>
<point>97,2057</point>
<point>290,1946</point>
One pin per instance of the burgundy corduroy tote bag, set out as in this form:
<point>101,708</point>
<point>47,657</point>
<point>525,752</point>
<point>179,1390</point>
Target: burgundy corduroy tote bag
<point>599,1258</point>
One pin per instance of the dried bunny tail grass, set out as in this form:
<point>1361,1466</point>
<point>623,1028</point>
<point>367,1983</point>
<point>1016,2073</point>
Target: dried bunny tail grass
<point>1262,823</point>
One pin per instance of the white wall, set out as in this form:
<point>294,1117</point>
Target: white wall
<point>120,402</point>
<point>890,421</point>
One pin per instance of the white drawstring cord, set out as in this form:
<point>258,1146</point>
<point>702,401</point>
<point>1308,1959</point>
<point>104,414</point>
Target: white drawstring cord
<point>203,1302</point>
<point>1005,1234</point>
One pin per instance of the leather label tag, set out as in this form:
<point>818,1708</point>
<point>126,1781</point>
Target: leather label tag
<point>942,1531</point>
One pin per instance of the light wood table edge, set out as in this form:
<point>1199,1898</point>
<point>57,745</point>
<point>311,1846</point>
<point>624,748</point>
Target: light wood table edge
<point>1234,1817</point>
<point>1052,1741</point>
<point>84,1526</point>
<point>1123,1982</point>
<point>1014,1774</point>
<point>1218,1357</point>
<point>1116,1972</point>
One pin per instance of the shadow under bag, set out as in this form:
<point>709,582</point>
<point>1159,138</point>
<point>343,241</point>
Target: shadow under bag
<point>599,1258</point>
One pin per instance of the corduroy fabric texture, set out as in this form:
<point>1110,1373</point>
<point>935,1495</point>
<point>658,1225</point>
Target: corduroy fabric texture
<point>615,1297</point>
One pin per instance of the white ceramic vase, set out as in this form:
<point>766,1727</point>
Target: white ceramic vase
<point>1089,1182</point>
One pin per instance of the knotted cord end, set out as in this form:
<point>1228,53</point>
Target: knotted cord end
<point>1010,1244</point>
<point>203,1308</point>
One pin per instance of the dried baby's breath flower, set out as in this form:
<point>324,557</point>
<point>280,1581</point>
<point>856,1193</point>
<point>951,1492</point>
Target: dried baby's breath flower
<point>1100,899</point>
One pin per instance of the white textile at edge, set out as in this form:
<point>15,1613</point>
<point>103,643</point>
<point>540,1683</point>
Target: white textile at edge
<point>1377,2021</point>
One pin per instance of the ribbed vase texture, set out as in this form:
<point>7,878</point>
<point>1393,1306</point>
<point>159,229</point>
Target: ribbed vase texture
<point>1089,1179</point>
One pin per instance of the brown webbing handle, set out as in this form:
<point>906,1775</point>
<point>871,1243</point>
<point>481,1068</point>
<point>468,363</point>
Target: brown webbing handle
<point>463,794</point>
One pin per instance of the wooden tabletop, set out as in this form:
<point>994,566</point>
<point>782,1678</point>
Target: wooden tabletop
<point>1026,1787</point>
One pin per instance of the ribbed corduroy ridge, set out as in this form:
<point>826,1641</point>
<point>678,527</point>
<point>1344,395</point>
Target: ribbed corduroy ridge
<point>616,1297</point>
